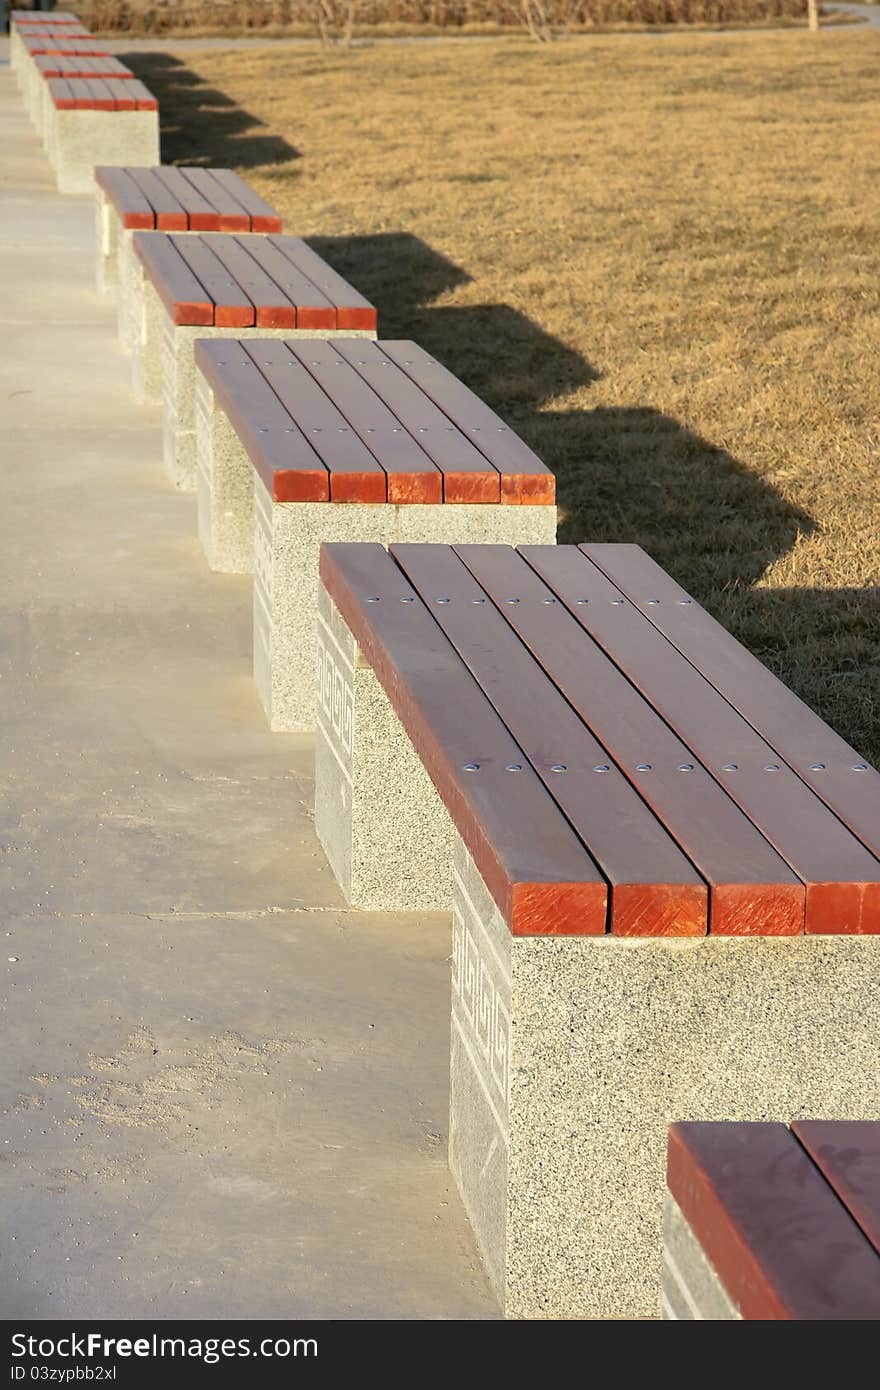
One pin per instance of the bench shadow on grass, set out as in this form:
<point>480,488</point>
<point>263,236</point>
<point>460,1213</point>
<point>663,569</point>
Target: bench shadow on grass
<point>202,125</point>
<point>632,473</point>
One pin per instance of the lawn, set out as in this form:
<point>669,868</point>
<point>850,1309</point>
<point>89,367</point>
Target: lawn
<point>658,257</point>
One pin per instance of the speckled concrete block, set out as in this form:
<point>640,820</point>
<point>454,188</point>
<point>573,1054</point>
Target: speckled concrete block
<point>692,1290</point>
<point>146,358</point>
<point>571,1056</point>
<point>78,140</point>
<point>106,258</point>
<point>376,811</point>
<point>129,287</point>
<point>225,488</point>
<point>287,539</point>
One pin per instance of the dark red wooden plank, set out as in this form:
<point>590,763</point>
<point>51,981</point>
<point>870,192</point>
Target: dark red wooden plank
<point>313,308</point>
<point>272,307</point>
<point>143,96</point>
<point>61,94</point>
<point>230,216</point>
<point>834,770</point>
<point>263,217</point>
<point>535,868</point>
<point>131,204</point>
<point>185,298</point>
<point>233,307</point>
<point>848,1154</point>
<point>781,1243</point>
<point>178,193</point>
<point>101,95</point>
<point>752,892</point>
<point>842,878</point>
<point>286,462</point>
<point>655,890</point>
<point>467,474</point>
<point>169,213</point>
<point>123,97</point>
<point>355,475</point>
<point>411,475</point>
<point>81,93</point>
<point>524,478</point>
<point>352,309</point>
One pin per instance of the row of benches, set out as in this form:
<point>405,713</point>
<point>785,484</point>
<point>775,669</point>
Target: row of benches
<point>663,869</point>
<point>87,106</point>
<point>577,758</point>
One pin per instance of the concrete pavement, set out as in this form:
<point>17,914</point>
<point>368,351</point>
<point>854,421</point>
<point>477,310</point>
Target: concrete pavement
<point>223,1093</point>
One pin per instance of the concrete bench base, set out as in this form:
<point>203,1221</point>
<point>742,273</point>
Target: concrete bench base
<point>108,228</point>
<point>78,140</point>
<point>571,1055</point>
<point>287,541</point>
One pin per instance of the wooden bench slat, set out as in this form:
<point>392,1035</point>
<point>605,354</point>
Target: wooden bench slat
<point>229,215</point>
<point>175,196</point>
<point>752,891</point>
<point>841,876</point>
<point>168,213</point>
<point>232,306</point>
<point>352,309</point>
<point>272,306</point>
<point>355,475</point>
<point>142,95</point>
<point>537,871</point>
<point>467,474</point>
<point>283,457</point>
<point>123,191</point>
<point>183,295</point>
<point>411,475</point>
<point>123,93</point>
<point>524,477</point>
<point>313,308</point>
<point>847,1152</point>
<point>655,890</point>
<point>102,97</point>
<point>819,756</point>
<point>61,93</point>
<point>263,217</point>
<point>781,1242</point>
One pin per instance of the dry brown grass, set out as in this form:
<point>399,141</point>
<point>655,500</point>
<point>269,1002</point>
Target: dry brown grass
<point>336,17</point>
<point>659,258</point>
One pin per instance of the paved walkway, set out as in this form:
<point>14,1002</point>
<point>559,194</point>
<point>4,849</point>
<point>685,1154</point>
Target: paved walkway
<point>223,1094</point>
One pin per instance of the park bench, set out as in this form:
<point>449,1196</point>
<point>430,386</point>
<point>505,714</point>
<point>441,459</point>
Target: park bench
<point>170,199</point>
<point>28,43</point>
<point>662,868</point>
<point>59,43</point>
<point>94,110</point>
<point>287,429</point>
<point>211,285</point>
<point>769,1222</point>
<point>86,71</point>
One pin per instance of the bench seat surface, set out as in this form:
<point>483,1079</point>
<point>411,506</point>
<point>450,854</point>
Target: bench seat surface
<point>67,43</point>
<point>774,1211</point>
<point>349,420</point>
<point>680,781</point>
<point>101,94</point>
<point>249,281</point>
<point>83,66</point>
<point>174,199</point>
